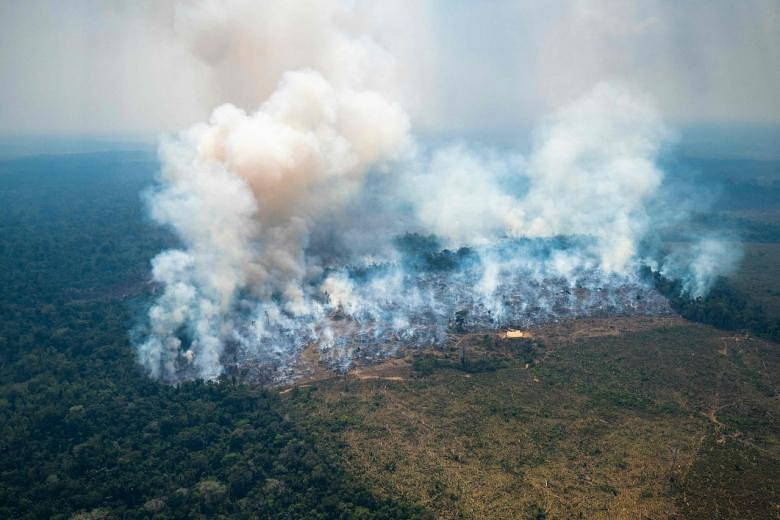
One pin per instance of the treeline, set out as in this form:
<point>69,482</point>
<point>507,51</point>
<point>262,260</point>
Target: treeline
<point>425,253</point>
<point>723,307</point>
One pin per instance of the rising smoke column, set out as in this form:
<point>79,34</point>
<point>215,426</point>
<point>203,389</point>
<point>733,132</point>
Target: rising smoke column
<point>242,190</point>
<point>252,192</point>
<point>592,172</point>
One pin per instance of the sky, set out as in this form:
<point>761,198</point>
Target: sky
<point>145,67</point>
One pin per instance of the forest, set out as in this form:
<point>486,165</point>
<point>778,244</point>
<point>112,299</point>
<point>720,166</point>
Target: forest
<point>724,306</point>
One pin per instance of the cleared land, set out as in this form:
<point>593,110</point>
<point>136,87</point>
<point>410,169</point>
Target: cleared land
<point>653,418</point>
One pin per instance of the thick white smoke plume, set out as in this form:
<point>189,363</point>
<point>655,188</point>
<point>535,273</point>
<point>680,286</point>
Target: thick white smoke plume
<point>242,192</point>
<point>591,173</point>
<point>292,216</point>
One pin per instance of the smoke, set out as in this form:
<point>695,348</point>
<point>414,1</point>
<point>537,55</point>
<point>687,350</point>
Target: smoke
<point>242,192</point>
<point>319,218</point>
<point>700,263</point>
<point>591,173</point>
<point>249,45</point>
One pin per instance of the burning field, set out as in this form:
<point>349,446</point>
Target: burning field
<point>321,216</point>
<point>432,311</point>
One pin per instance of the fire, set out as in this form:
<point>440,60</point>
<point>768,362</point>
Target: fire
<point>516,334</point>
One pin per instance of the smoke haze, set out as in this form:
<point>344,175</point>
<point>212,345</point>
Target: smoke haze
<point>149,66</point>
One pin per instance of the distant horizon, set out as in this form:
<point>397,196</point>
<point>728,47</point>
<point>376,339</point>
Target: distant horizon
<point>715,139</point>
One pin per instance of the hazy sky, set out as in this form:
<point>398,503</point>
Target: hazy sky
<point>116,67</point>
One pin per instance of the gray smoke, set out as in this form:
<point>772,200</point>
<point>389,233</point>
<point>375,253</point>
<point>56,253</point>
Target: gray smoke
<point>293,217</point>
